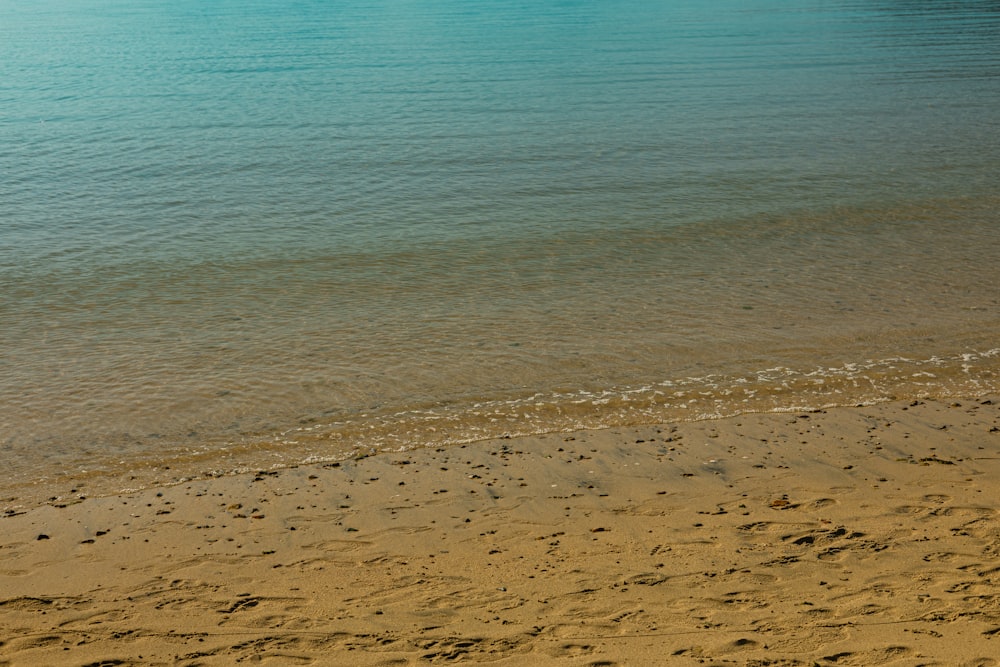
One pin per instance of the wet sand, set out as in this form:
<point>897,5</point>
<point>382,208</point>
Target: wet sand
<point>850,536</point>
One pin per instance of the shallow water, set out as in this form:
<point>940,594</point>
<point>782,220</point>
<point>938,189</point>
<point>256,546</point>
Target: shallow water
<point>251,234</point>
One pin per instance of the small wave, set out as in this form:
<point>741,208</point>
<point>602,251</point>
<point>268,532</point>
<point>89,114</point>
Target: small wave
<point>695,398</point>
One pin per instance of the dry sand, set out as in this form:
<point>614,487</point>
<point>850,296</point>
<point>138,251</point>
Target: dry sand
<point>852,536</point>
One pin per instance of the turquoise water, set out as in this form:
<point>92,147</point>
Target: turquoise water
<point>236,235</point>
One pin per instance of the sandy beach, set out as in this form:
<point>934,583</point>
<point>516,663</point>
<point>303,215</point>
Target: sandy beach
<point>850,536</point>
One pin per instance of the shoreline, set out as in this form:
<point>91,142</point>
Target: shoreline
<point>125,465</point>
<point>865,535</point>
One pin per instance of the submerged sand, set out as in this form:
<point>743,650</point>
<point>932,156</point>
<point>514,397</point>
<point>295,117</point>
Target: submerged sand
<point>851,536</point>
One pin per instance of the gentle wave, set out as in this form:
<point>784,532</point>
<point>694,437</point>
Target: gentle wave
<point>365,433</point>
<point>689,399</point>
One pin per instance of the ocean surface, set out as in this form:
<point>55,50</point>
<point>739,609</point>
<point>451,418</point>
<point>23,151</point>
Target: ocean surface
<point>239,235</point>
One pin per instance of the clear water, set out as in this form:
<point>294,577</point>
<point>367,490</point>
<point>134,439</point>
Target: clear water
<point>244,234</point>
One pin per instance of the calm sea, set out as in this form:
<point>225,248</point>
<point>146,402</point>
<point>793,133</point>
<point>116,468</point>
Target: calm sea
<point>246,234</point>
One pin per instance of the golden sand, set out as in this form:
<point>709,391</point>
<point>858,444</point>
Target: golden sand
<point>851,536</point>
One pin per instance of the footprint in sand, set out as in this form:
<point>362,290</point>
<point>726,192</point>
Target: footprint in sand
<point>572,650</point>
<point>879,656</point>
